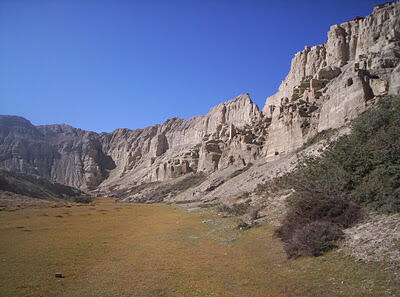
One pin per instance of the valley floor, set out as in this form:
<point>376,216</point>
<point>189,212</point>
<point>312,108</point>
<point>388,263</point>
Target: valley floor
<point>109,249</point>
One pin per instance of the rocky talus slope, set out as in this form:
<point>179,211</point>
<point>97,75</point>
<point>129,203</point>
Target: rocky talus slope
<point>327,86</point>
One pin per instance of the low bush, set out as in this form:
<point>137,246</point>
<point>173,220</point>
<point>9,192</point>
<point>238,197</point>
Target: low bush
<point>307,210</point>
<point>83,199</point>
<point>313,239</point>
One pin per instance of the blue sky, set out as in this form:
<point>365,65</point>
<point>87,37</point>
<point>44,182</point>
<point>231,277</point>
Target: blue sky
<point>102,65</point>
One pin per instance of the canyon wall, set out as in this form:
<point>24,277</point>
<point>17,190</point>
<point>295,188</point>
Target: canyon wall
<point>124,157</point>
<point>327,86</point>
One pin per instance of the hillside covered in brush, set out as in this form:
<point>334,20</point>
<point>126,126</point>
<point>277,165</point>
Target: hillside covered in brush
<point>38,187</point>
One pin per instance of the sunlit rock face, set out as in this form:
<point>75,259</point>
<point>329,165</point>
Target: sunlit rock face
<point>327,86</point>
<point>87,160</point>
<point>331,84</point>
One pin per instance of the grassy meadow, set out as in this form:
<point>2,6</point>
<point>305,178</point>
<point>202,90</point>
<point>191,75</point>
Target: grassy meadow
<point>109,249</point>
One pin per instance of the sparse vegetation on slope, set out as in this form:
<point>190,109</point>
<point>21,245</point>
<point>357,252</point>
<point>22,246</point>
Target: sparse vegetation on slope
<point>237,209</point>
<point>361,169</point>
<point>160,191</point>
<point>241,170</point>
<point>38,187</point>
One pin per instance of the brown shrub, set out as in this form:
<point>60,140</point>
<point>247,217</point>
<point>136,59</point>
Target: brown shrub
<point>334,210</point>
<point>311,217</point>
<point>313,239</point>
<point>83,199</point>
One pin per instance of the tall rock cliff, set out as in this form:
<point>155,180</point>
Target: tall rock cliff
<point>327,86</point>
<point>330,84</point>
<point>204,143</point>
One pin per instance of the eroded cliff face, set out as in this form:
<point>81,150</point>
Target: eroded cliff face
<point>327,86</point>
<point>124,157</point>
<point>331,84</point>
<point>231,134</point>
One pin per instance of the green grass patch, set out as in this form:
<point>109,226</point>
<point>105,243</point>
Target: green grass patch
<point>161,250</point>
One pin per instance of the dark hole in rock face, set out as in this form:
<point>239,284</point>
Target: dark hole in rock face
<point>349,82</point>
<point>276,153</point>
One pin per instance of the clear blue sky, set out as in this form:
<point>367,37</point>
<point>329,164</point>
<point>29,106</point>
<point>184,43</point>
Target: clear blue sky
<point>101,65</point>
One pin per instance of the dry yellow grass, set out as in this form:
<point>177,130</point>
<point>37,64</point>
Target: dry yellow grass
<point>160,250</point>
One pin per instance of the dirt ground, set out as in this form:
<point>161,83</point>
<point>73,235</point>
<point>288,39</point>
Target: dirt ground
<point>110,249</point>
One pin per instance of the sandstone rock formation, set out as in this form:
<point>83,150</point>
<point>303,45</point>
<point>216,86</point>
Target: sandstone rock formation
<point>327,86</point>
<point>330,84</point>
